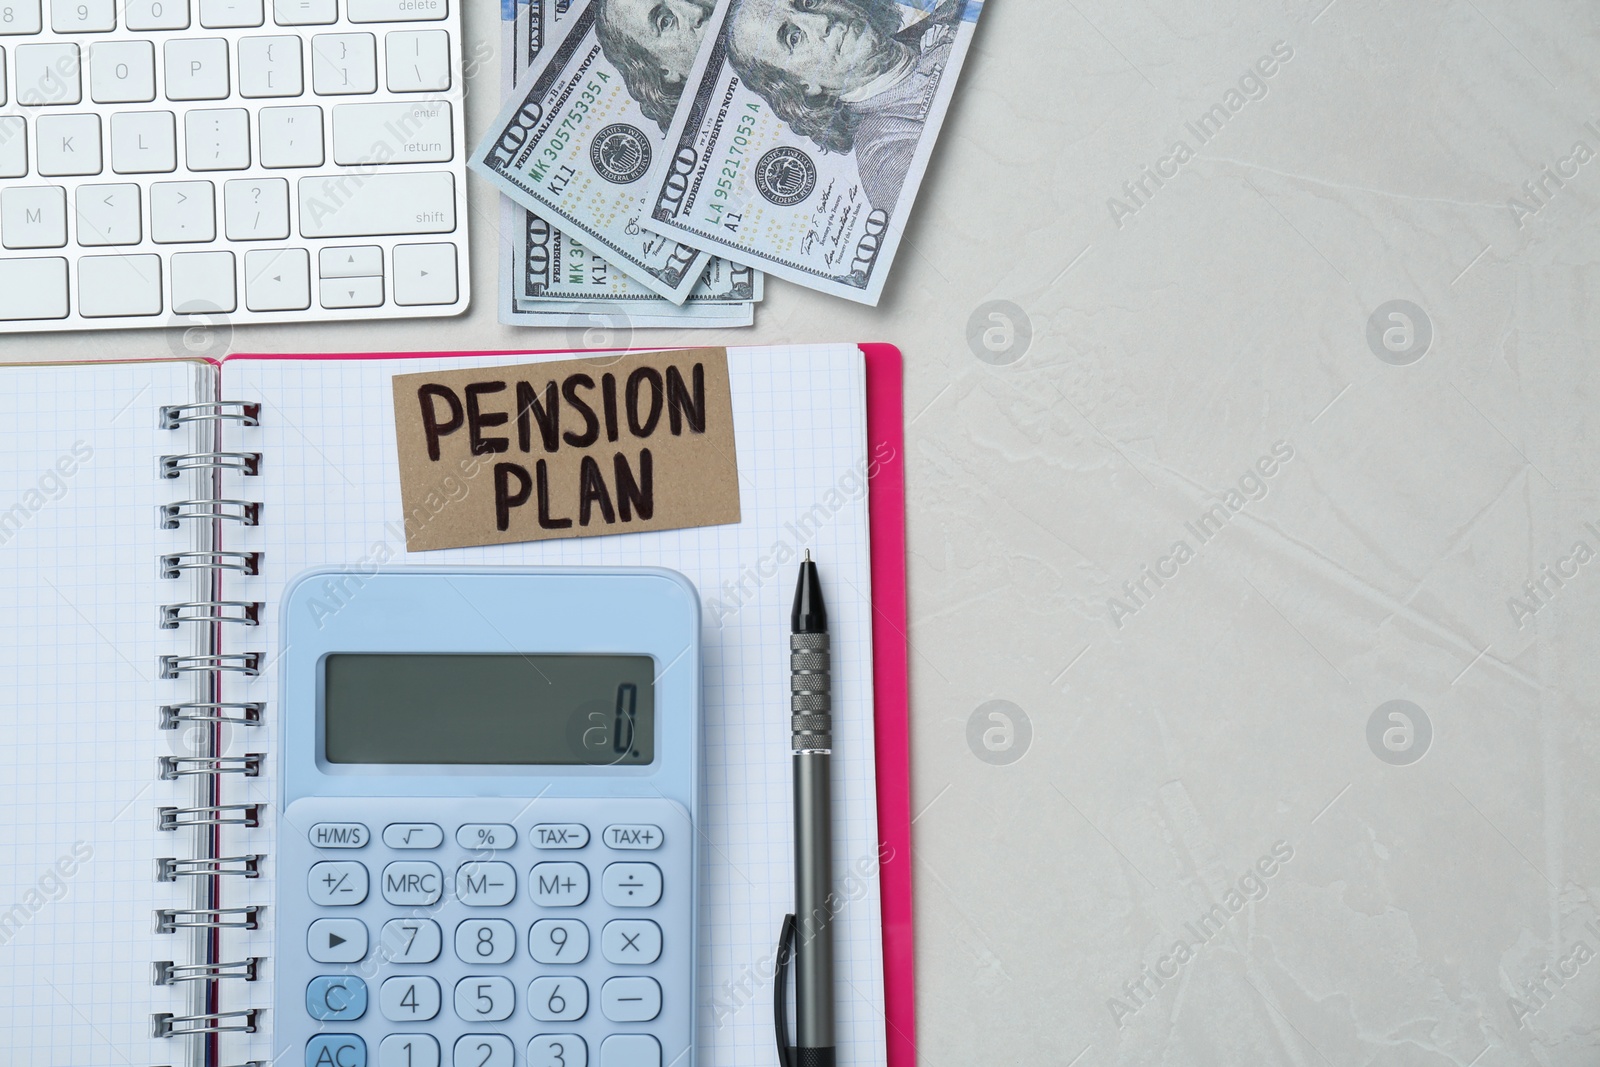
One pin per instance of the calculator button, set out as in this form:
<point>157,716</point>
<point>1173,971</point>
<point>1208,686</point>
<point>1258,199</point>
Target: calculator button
<point>559,885</point>
<point>337,1050</point>
<point>337,940</point>
<point>630,1050</point>
<point>483,1050</point>
<point>558,999</point>
<point>412,883</point>
<point>337,883</point>
<point>631,885</point>
<point>631,941</point>
<point>409,998</point>
<point>339,835</point>
<point>485,941</point>
<point>558,941</point>
<point>408,1050</point>
<point>490,884</point>
<point>412,835</point>
<point>486,835</point>
<point>630,1000</point>
<point>560,835</point>
<point>485,998</point>
<point>336,997</point>
<point>633,836</point>
<point>410,941</point>
<point>558,1050</point>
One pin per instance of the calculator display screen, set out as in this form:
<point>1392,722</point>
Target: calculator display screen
<point>406,708</point>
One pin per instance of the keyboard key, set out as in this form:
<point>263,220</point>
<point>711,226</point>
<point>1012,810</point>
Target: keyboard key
<point>32,288</point>
<point>337,998</point>
<point>396,10</point>
<point>182,211</point>
<point>366,261</point>
<point>409,1050</point>
<point>344,63</point>
<point>483,834</point>
<point>377,204</point>
<point>197,68</point>
<point>630,1050</point>
<point>558,941</point>
<point>68,144</point>
<point>336,834</point>
<point>411,941</point>
<point>20,16</point>
<point>108,215</point>
<point>202,283</point>
<point>631,885</point>
<point>230,14</point>
<point>13,144</point>
<point>277,280</point>
<point>558,1050</point>
<point>558,999</point>
<point>418,61</point>
<point>109,286</point>
<point>486,885</point>
<point>340,1050</point>
<point>424,274</point>
<point>483,1050</point>
<point>304,12</point>
<point>351,293</point>
<point>392,133</point>
<point>156,14</point>
<point>48,74</point>
<point>633,836</point>
<point>82,16</point>
<point>485,998</point>
<point>328,940</point>
<point>256,209</point>
<point>122,72</point>
<point>631,941</point>
<point>485,941</point>
<point>291,136</point>
<point>270,66</point>
<point>217,139</point>
<point>33,216</point>
<point>334,883</point>
<point>412,883</point>
<point>144,142</point>
<point>630,1000</point>
<point>560,835</point>
<point>558,885</point>
<point>398,834</point>
<point>409,998</point>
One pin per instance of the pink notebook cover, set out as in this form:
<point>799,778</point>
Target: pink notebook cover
<point>886,514</point>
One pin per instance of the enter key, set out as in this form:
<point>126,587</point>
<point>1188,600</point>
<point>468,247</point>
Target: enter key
<point>411,132</point>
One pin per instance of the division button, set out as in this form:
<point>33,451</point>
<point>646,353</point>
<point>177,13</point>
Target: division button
<point>337,940</point>
<point>631,885</point>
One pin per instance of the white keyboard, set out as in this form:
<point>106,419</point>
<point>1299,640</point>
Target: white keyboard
<point>164,162</point>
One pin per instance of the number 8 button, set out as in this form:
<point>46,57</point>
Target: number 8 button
<point>485,941</point>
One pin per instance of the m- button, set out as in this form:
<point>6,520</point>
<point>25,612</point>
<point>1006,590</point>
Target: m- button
<point>412,882</point>
<point>633,836</point>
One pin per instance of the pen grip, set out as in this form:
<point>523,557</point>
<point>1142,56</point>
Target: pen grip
<point>810,693</point>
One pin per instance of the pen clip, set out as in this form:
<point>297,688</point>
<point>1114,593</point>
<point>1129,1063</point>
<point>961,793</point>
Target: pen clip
<point>780,992</point>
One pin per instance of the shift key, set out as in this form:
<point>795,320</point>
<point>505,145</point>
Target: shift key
<point>376,205</point>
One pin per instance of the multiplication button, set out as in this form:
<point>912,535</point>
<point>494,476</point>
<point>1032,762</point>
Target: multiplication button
<point>631,885</point>
<point>419,835</point>
<point>337,883</point>
<point>638,836</point>
<point>634,941</point>
<point>560,835</point>
<point>337,940</point>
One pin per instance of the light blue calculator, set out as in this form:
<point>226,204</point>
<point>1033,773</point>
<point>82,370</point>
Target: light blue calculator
<point>488,819</point>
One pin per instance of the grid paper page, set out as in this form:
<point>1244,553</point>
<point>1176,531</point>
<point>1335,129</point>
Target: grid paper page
<point>79,693</point>
<point>331,494</point>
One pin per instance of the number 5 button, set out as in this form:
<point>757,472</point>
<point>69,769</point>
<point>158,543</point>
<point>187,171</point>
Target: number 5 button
<point>631,885</point>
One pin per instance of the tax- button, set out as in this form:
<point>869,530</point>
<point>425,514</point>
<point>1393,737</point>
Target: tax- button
<point>337,940</point>
<point>336,997</point>
<point>631,885</point>
<point>339,835</point>
<point>633,835</point>
<point>630,1000</point>
<point>336,1050</point>
<point>412,882</point>
<point>559,885</point>
<point>337,883</point>
<point>560,835</point>
<point>411,834</point>
<point>491,884</point>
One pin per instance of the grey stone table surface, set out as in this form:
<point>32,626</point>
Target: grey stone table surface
<point>1254,541</point>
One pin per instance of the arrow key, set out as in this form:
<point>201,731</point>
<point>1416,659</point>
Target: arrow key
<point>424,274</point>
<point>277,279</point>
<point>352,292</point>
<point>350,261</point>
<point>337,941</point>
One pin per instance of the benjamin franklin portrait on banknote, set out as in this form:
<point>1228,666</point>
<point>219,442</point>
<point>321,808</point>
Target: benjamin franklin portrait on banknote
<point>652,43</point>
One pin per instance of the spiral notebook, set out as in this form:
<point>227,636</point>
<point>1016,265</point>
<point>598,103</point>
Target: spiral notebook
<point>151,515</point>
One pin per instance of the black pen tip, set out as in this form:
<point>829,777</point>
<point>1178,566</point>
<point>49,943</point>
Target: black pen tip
<point>810,615</point>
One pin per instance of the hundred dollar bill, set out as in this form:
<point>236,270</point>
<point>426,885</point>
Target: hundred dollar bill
<point>807,134</point>
<point>577,138</point>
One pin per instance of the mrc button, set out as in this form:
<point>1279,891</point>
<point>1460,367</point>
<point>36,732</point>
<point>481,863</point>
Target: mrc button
<point>634,836</point>
<point>339,835</point>
<point>412,882</point>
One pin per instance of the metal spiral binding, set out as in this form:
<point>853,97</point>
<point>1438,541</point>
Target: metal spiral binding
<point>208,614</point>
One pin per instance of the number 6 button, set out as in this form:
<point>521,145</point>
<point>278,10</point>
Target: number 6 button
<point>557,999</point>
